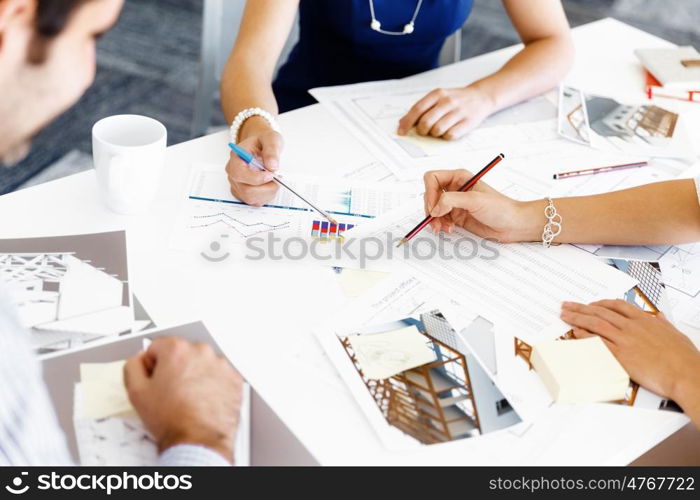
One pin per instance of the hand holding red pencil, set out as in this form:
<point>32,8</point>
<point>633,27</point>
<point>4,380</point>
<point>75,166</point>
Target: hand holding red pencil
<point>466,186</point>
<point>482,210</point>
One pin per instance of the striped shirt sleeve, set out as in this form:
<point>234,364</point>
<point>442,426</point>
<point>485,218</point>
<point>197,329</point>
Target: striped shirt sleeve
<point>29,430</point>
<point>183,455</point>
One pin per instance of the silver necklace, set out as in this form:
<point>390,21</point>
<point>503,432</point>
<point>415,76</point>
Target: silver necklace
<point>407,29</point>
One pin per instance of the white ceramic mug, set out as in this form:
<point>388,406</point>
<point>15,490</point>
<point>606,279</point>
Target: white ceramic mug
<point>128,152</point>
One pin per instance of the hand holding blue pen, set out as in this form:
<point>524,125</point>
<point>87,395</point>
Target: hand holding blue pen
<point>248,157</point>
<point>251,160</point>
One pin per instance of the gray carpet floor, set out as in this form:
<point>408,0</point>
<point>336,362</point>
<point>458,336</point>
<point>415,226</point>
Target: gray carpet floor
<point>148,65</point>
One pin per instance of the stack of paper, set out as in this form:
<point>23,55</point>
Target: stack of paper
<point>108,430</point>
<point>579,371</point>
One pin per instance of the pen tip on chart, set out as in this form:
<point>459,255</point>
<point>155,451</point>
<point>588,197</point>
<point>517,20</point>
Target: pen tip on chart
<point>332,220</point>
<point>403,240</point>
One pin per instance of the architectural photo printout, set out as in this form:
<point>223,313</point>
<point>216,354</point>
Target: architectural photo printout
<point>417,381</point>
<point>69,290</point>
<point>605,123</point>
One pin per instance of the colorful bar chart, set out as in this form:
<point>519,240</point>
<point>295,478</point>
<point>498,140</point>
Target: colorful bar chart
<point>326,231</point>
<point>342,228</point>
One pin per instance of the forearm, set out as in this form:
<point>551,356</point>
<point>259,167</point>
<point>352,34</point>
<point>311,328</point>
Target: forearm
<point>687,393</point>
<point>247,78</point>
<point>546,57</point>
<point>534,70</point>
<point>243,86</point>
<point>654,214</point>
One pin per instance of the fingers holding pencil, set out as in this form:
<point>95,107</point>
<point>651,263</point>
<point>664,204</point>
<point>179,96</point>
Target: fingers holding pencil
<point>466,186</point>
<point>441,183</point>
<point>436,183</point>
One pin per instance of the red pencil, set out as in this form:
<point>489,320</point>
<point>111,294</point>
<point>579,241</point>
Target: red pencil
<point>465,187</point>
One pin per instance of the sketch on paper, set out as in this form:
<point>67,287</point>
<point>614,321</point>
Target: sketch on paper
<point>425,388</point>
<point>385,111</point>
<point>385,354</point>
<point>69,290</point>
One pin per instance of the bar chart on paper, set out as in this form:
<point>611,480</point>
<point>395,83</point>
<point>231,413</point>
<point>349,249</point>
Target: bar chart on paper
<point>209,209</point>
<point>325,231</point>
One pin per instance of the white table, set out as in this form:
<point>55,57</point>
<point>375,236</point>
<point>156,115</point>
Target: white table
<point>261,314</point>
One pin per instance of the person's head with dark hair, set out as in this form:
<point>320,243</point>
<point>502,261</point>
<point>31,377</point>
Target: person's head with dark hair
<point>52,15</point>
<point>51,18</point>
<point>47,61</point>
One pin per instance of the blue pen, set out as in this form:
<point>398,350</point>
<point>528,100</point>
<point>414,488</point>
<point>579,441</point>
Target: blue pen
<point>248,157</point>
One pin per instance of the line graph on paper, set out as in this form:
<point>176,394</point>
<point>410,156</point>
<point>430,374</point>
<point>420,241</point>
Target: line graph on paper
<point>206,221</point>
<point>242,228</point>
<point>208,209</point>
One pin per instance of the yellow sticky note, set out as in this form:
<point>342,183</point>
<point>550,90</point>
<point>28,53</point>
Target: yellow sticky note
<point>102,371</point>
<point>355,282</point>
<point>579,371</point>
<point>103,390</point>
<point>382,355</point>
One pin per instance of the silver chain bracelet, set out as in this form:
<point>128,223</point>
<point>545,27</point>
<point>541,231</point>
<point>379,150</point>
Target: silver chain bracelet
<point>553,226</point>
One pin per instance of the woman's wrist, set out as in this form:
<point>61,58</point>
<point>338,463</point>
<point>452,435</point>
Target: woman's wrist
<point>530,220</point>
<point>255,125</point>
<point>685,390</point>
<point>487,96</point>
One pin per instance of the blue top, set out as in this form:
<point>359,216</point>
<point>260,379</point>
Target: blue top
<point>337,46</point>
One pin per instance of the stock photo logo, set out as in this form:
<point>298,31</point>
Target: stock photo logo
<point>81,483</point>
<point>361,251</point>
<point>17,487</point>
<point>218,253</point>
<point>366,250</point>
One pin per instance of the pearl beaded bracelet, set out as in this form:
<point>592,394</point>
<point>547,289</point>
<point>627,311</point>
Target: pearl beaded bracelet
<point>247,113</point>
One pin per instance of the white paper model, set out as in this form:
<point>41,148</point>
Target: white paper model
<point>69,290</point>
<point>580,371</point>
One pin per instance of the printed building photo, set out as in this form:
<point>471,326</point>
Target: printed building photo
<point>447,398</point>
